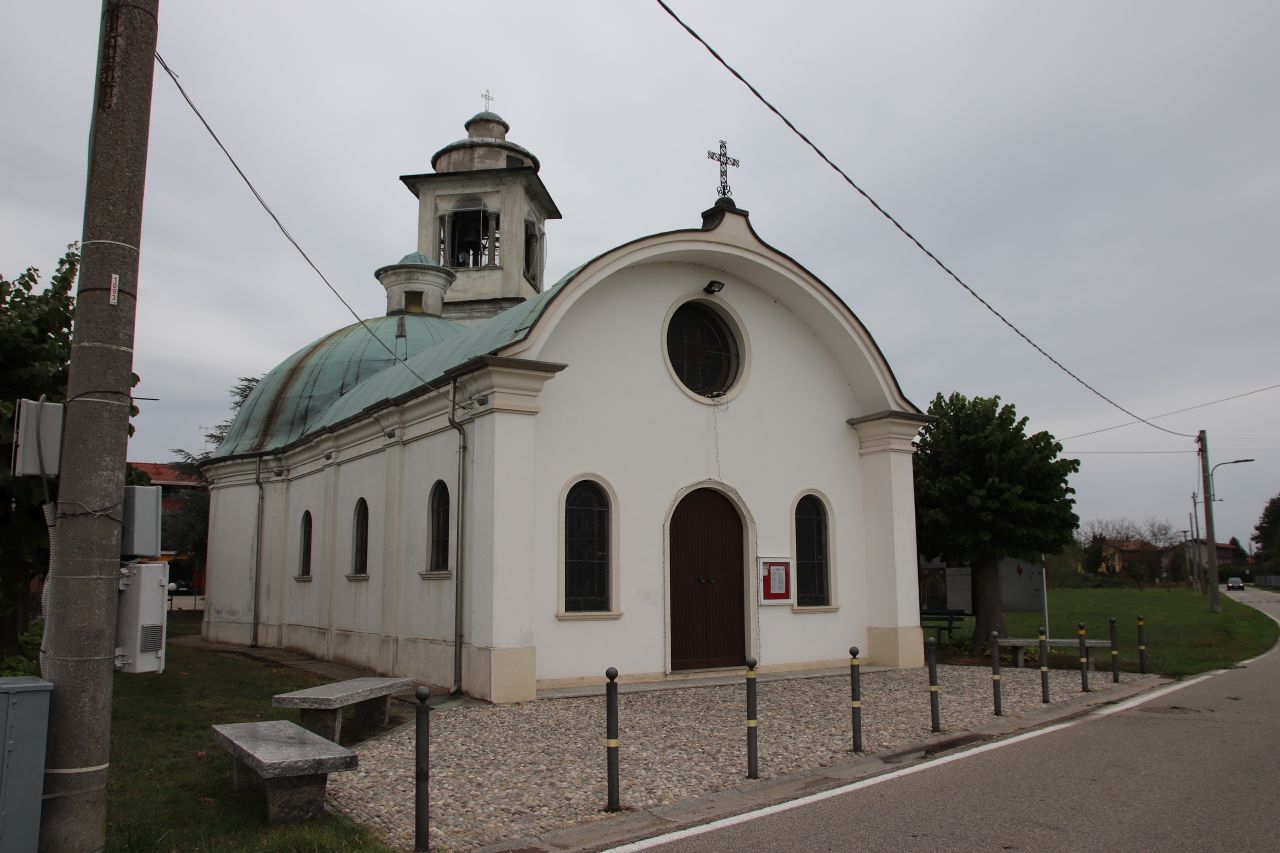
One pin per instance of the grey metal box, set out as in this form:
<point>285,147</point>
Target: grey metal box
<point>24,723</point>
<point>141,535</point>
<point>37,435</point>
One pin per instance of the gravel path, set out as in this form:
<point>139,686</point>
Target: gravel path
<point>502,772</point>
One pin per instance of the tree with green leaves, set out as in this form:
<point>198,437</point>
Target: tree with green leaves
<point>985,490</point>
<point>35,343</point>
<point>1266,536</point>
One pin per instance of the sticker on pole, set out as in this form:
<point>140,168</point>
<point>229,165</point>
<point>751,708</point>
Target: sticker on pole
<point>115,289</point>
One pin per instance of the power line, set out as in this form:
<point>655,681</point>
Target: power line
<point>276,219</point>
<point>1124,452</point>
<point>1176,412</point>
<point>762,99</point>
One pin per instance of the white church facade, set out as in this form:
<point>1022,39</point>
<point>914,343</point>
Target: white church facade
<point>687,452</point>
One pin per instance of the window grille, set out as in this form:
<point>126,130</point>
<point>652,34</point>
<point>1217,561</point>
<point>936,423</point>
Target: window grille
<point>586,549</point>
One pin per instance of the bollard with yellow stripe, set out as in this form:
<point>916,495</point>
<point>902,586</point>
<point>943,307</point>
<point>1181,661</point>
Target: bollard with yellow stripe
<point>611,738</point>
<point>1084,661</point>
<point>1142,645</point>
<point>995,673</point>
<point>931,651</point>
<point>753,764</point>
<point>855,697</point>
<point>1044,666</point>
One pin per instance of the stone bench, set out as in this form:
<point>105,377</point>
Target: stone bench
<point>291,764</point>
<point>321,707</point>
<point>1020,647</point>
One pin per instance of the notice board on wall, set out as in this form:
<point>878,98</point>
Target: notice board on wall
<point>776,580</point>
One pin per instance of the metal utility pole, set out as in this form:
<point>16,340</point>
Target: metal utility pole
<point>78,654</point>
<point>1211,573</point>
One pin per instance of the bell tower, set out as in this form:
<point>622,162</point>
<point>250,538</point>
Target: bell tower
<point>482,212</point>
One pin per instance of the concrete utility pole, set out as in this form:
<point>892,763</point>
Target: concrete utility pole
<point>1211,574</point>
<point>80,627</point>
<point>1196,541</point>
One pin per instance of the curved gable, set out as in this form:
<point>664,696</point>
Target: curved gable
<point>728,242</point>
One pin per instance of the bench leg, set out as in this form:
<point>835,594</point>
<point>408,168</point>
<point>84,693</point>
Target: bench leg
<point>295,798</point>
<point>1019,656</point>
<point>374,712</point>
<point>325,722</point>
<point>243,776</point>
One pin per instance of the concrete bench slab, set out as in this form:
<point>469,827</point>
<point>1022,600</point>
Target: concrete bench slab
<point>291,764</point>
<point>321,707</point>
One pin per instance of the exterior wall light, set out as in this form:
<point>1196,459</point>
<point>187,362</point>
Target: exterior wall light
<point>713,287</point>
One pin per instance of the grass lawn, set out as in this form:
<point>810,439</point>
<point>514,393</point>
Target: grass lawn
<point>1183,637</point>
<point>170,784</point>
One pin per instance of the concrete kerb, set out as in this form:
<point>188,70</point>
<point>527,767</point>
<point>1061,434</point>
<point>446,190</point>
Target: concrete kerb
<point>635,826</point>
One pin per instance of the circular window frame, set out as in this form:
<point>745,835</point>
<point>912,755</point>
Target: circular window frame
<point>735,327</point>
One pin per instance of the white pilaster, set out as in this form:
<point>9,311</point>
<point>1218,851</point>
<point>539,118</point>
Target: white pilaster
<point>892,590</point>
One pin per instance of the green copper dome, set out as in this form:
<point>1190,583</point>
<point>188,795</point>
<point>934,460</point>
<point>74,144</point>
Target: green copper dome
<point>292,396</point>
<point>418,259</point>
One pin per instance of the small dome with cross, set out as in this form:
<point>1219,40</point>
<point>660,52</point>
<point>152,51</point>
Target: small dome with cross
<point>486,147</point>
<point>489,118</point>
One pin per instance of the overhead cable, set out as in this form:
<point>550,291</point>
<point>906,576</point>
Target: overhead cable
<point>279,224</point>
<point>1176,412</point>
<point>904,231</point>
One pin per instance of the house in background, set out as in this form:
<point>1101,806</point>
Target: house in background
<point>173,486</point>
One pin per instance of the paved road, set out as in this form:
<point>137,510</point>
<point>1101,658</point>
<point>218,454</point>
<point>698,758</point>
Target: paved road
<point>1195,769</point>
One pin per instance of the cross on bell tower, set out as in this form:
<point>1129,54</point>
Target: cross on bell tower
<point>725,162</point>
<point>488,99</point>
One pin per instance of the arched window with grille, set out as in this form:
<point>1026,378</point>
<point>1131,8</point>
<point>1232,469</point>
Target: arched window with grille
<point>586,549</point>
<point>360,539</point>
<point>304,546</point>
<point>438,547</point>
<point>813,563</point>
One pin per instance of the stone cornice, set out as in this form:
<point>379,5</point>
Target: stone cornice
<point>888,431</point>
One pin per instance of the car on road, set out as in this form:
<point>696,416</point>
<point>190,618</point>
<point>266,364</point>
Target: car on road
<point>1235,583</point>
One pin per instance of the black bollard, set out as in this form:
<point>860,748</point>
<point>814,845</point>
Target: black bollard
<point>995,671</point>
<point>855,694</point>
<point>1115,653</point>
<point>422,781</point>
<point>611,736</point>
<point>931,647</point>
<point>1044,666</point>
<point>1142,646</point>
<point>753,763</point>
<point>1084,661</point>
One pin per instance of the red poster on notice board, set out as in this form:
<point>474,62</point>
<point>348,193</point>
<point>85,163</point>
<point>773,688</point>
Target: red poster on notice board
<point>775,580</point>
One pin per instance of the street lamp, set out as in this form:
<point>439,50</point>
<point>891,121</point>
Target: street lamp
<point>1212,545</point>
<point>1216,467</point>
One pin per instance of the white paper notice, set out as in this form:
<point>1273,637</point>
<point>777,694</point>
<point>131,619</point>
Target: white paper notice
<point>777,580</point>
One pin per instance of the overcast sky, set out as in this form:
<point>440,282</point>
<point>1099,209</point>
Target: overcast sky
<point>1105,173</point>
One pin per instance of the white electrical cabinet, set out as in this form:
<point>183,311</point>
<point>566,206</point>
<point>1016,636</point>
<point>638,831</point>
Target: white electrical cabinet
<point>141,617</point>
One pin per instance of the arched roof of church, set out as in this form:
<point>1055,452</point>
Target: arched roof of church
<point>287,402</point>
<point>344,374</point>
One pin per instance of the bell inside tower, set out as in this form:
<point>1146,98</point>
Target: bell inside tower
<point>470,235</point>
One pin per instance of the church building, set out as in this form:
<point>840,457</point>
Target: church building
<point>685,452</point>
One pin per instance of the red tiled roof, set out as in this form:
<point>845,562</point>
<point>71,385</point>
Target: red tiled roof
<point>162,474</point>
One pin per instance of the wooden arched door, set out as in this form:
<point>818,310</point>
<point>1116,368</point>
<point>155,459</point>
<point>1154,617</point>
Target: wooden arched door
<point>708,624</point>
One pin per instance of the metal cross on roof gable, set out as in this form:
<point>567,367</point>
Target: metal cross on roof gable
<point>725,162</point>
<point>486,97</point>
